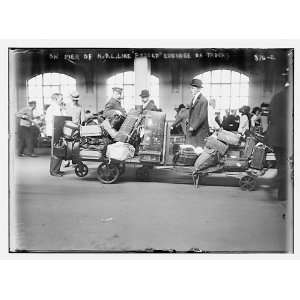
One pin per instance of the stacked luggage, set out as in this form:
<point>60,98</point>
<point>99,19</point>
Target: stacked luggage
<point>152,143</point>
<point>213,158</point>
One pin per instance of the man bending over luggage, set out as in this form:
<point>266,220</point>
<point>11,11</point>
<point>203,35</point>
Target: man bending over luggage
<point>114,103</point>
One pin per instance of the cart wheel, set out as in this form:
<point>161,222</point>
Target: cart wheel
<point>108,173</point>
<point>81,170</point>
<point>248,183</point>
<point>122,168</point>
<point>142,174</point>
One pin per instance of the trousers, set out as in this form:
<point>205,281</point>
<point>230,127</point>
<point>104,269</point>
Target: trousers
<point>25,140</point>
<point>282,172</point>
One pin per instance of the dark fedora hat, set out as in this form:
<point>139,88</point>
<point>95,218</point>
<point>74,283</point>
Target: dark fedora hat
<point>197,83</point>
<point>180,107</point>
<point>144,94</point>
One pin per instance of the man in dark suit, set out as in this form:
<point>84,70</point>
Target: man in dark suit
<point>198,128</point>
<point>114,103</point>
<point>147,103</point>
<point>181,118</point>
<point>279,136</point>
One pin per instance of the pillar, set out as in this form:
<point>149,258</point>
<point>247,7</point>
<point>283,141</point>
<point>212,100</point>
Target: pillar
<point>142,71</point>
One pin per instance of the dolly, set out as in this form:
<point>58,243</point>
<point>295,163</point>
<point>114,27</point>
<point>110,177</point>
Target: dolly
<point>110,170</point>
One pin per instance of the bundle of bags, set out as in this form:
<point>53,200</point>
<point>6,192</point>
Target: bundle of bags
<point>215,148</point>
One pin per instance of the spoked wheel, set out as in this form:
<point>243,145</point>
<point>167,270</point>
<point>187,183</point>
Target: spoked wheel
<point>248,183</point>
<point>108,173</point>
<point>81,170</point>
<point>142,174</point>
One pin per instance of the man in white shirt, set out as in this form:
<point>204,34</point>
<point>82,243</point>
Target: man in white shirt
<point>212,123</point>
<point>75,109</point>
<point>55,109</point>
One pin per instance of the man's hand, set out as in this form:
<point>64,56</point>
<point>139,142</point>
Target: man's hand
<point>191,128</point>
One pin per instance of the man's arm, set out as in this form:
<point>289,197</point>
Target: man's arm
<point>178,119</point>
<point>23,114</point>
<point>109,105</point>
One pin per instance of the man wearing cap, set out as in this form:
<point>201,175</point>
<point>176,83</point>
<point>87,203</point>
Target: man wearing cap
<point>114,103</point>
<point>181,118</point>
<point>25,133</point>
<point>75,109</point>
<point>198,128</point>
<point>147,103</point>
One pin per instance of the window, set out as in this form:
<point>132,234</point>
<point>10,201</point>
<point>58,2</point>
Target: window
<point>41,87</point>
<point>229,88</point>
<point>126,80</point>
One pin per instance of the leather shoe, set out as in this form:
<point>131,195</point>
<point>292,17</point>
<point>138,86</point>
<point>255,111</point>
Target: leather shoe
<point>56,174</point>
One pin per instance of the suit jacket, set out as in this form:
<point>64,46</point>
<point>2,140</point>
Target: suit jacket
<point>151,106</point>
<point>113,104</point>
<point>198,120</point>
<point>182,118</point>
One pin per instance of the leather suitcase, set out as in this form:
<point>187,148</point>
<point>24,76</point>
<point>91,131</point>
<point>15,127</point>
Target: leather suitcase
<point>235,154</point>
<point>149,156</point>
<point>258,157</point>
<point>126,129</point>
<point>185,159</point>
<point>235,165</point>
<point>69,129</point>
<point>250,144</point>
<point>154,126</point>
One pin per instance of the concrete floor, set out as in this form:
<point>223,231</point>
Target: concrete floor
<point>71,213</point>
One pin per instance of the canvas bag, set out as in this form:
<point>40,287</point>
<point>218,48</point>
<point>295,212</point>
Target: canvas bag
<point>213,143</point>
<point>208,158</point>
<point>228,137</point>
<point>120,151</point>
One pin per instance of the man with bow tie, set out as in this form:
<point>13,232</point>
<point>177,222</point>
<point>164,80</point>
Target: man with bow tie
<point>198,128</point>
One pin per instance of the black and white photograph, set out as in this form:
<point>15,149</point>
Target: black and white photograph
<point>151,150</point>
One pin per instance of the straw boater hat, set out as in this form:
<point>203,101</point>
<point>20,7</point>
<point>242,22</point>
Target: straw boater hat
<point>117,89</point>
<point>75,96</point>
